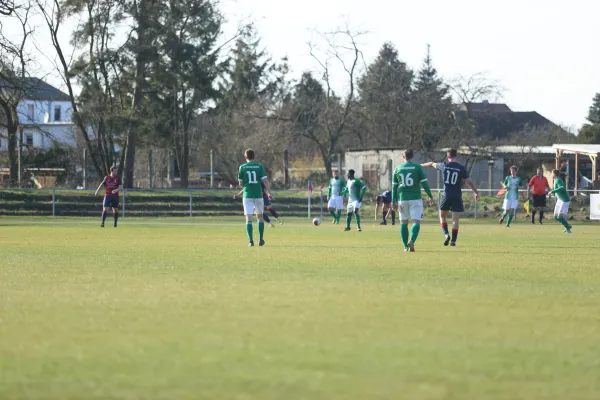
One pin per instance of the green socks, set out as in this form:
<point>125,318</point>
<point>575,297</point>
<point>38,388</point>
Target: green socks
<point>414,232</point>
<point>563,221</point>
<point>332,212</point>
<point>338,216</point>
<point>503,215</point>
<point>357,220</point>
<point>261,228</point>
<point>404,234</point>
<point>510,218</point>
<point>348,220</point>
<point>249,231</point>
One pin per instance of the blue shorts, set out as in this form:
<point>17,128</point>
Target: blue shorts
<point>111,202</point>
<point>452,203</point>
<point>267,201</point>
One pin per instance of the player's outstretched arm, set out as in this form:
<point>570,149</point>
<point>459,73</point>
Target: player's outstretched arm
<point>235,196</point>
<point>471,185</point>
<point>99,187</point>
<point>429,164</point>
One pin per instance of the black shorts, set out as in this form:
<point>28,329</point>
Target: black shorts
<point>111,202</point>
<point>452,203</point>
<point>385,200</point>
<point>539,200</point>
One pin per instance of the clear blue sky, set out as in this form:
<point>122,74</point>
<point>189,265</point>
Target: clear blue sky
<point>546,53</point>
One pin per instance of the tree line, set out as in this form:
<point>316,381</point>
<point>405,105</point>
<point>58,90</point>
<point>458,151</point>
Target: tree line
<point>160,74</point>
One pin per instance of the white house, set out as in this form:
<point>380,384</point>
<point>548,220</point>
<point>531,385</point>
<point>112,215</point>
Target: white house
<point>45,116</point>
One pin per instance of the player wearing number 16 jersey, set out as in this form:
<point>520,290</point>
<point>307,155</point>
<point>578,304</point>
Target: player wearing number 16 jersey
<point>453,175</point>
<point>406,189</point>
<point>250,176</point>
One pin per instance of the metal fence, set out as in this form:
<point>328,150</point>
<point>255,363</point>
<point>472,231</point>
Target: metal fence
<point>214,202</point>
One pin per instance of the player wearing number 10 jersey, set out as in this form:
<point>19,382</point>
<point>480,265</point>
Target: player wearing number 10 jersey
<point>453,175</point>
<point>406,189</point>
<point>250,176</point>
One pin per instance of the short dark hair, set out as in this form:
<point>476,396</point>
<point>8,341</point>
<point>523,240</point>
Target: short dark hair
<point>113,168</point>
<point>452,153</point>
<point>249,154</point>
<point>556,172</point>
<point>350,172</point>
<point>409,154</point>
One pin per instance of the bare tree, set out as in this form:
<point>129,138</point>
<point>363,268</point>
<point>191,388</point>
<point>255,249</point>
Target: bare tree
<point>474,88</point>
<point>324,118</point>
<point>469,90</point>
<point>14,82</point>
<point>7,7</point>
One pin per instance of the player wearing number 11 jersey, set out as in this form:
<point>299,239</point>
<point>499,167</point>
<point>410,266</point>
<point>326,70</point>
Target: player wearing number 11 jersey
<point>406,189</point>
<point>250,176</point>
<point>453,175</point>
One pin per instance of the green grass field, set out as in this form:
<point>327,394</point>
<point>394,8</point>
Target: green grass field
<point>182,309</point>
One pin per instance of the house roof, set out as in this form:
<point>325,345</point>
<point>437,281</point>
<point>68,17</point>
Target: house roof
<point>593,149</point>
<point>33,89</point>
<point>37,89</point>
<point>485,107</point>
<point>550,150</point>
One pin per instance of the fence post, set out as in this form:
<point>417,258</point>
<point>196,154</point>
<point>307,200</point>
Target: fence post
<point>321,201</point>
<point>124,197</point>
<point>439,196</point>
<point>212,168</point>
<point>309,198</point>
<point>476,208</point>
<point>190,203</point>
<point>53,202</point>
<point>84,168</point>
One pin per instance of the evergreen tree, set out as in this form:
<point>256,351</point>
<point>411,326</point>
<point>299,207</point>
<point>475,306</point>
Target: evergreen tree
<point>594,113</point>
<point>590,133</point>
<point>428,81</point>
<point>183,72</point>
<point>385,94</point>
<point>431,108</point>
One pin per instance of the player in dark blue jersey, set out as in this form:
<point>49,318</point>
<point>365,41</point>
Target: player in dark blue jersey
<point>453,175</point>
<point>385,199</point>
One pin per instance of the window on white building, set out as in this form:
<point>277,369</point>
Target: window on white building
<point>30,112</point>
<point>29,139</point>
<point>57,113</point>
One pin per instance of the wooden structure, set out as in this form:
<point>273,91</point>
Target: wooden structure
<point>590,150</point>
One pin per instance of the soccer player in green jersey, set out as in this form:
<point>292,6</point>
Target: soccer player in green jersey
<point>563,200</point>
<point>250,175</point>
<point>511,198</point>
<point>355,190</point>
<point>334,196</point>
<point>406,195</point>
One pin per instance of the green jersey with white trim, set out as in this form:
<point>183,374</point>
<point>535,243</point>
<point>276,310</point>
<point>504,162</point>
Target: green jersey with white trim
<point>252,174</point>
<point>336,186</point>
<point>512,187</point>
<point>407,180</point>
<point>561,191</point>
<point>354,188</point>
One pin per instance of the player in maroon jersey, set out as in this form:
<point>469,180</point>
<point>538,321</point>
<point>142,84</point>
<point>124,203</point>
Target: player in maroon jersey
<point>113,186</point>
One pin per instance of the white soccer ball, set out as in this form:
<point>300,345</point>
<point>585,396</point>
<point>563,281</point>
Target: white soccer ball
<point>317,221</point>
